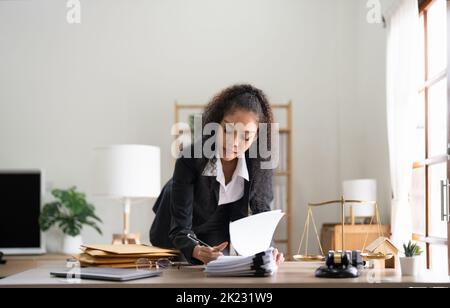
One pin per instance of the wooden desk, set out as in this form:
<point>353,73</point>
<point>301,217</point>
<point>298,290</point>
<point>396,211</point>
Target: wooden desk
<point>17,264</point>
<point>290,275</point>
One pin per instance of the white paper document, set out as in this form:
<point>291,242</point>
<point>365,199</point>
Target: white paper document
<point>262,265</point>
<point>253,234</point>
<point>251,238</point>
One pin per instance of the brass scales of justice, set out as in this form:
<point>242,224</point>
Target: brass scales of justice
<point>341,263</point>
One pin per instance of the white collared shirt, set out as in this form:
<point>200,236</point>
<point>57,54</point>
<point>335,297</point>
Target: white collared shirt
<point>234,190</point>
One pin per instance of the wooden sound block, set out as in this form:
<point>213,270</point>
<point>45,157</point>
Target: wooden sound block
<point>123,239</point>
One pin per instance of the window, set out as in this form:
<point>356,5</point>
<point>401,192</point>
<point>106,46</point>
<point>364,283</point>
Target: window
<point>432,143</point>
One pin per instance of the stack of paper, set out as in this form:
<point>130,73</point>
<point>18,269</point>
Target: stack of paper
<point>121,256</point>
<point>251,237</point>
<point>260,265</point>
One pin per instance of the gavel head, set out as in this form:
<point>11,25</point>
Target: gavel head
<point>338,259</point>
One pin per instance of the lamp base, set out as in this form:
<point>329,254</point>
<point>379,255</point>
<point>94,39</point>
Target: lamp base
<point>124,239</point>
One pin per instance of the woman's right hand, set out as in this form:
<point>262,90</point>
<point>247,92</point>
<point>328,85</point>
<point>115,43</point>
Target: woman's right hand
<point>208,254</point>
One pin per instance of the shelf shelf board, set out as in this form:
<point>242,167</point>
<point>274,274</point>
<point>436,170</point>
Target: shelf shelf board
<point>281,173</point>
<point>284,131</point>
<point>281,241</point>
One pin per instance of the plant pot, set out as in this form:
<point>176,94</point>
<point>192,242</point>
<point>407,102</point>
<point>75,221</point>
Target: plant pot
<point>409,266</point>
<point>71,244</point>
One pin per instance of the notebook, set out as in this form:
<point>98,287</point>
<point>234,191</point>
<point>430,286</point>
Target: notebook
<point>113,274</point>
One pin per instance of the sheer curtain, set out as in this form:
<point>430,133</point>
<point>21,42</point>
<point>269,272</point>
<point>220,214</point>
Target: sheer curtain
<point>402,99</point>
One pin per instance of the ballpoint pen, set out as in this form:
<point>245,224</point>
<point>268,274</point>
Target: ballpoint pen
<point>197,240</point>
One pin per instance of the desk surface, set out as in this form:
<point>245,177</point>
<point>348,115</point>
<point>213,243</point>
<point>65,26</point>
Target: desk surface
<point>290,274</point>
<point>18,264</point>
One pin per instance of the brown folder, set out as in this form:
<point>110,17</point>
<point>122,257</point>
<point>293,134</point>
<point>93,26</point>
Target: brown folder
<point>128,250</point>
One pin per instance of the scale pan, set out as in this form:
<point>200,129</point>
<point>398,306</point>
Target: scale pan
<point>309,258</point>
<point>377,256</point>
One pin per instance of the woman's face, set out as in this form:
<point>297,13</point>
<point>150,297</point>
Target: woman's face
<point>239,130</point>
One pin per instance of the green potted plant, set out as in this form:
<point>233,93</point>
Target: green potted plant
<point>70,212</point>
<point>409,263</point>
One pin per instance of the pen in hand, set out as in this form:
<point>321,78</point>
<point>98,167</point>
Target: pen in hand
<point>199,241</point>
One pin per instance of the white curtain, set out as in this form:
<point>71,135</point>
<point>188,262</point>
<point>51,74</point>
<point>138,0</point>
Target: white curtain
<point>402,99</point>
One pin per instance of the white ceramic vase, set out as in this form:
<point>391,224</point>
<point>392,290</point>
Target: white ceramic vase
<point>409,266</point>
<point>71,244</point>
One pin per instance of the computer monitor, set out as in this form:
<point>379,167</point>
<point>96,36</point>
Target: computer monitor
<point>21,194</point>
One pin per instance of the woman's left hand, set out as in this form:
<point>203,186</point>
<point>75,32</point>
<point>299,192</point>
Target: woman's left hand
<point>279,257</point>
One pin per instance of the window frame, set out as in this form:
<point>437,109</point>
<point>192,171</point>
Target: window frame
<point>430,81</point>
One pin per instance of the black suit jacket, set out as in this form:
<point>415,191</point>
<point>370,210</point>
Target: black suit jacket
<point>188,204</point>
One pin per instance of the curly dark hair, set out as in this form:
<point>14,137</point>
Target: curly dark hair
<point>239,97</point>
<point>243,96</point>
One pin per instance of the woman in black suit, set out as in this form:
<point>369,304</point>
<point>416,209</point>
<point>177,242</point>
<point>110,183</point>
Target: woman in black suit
<point>209,191</point>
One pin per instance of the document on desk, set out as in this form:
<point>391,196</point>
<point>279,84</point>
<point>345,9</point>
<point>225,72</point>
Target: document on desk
<point>254,234</point>
<point>261,265</point>
<point>251,238</point>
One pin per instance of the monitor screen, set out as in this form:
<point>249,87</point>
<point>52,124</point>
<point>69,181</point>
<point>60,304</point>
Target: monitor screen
<point>20,204</point>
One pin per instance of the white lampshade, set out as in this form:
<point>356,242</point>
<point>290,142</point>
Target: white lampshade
<point>127,171</point>
<point>365,190</point>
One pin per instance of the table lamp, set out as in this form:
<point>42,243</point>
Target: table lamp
<point>362,189</point>
<point>128,173</point>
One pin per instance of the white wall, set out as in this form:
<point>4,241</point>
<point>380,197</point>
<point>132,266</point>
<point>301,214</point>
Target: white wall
<point>113,79</point>
<point>362,120</point>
